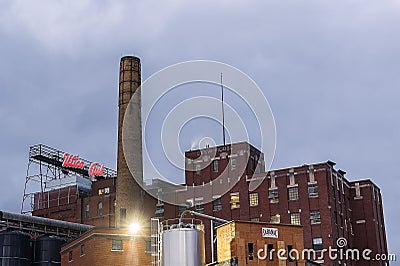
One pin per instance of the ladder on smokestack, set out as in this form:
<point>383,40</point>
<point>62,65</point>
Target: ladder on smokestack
<point>155,242</point>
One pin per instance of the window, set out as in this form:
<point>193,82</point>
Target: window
<point>215,166</point>
<point>122,216</point>
<point>351,228</point>
<point>235,200</point>
<point>341,220</point>
<point>82,250</point>
<point>335,216</point>
<point>276,219</point>
<point>198,169</point>
<point>103,191</point>
<point>252,164</point>
<point>250,250</point>
<point>116,244</point>
<point>181,209</point>
<point>87,211</point>
<point>290,255</point>
<point>295,218</point>
<point>313,190</point>
<point>199,206</point>
<point>100,208</point>
<point>253,198</point>
<point>70,255</point>
<point>273,195</point>
<point>148,247</point>
<point>271,250</point>
<point>160,209</point>
<point>217,204</point>
<point>315,217</point>
<point>293,193</point>
<point>233,164</point>
<point>317,243</point>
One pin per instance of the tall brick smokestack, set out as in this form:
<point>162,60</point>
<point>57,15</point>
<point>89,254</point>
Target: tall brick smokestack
<point>132,203</point>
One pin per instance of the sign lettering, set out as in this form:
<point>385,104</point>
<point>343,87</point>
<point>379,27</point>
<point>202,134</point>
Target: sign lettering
<point>95,169</point>
<point>72,161</point>
<point>270,232</point>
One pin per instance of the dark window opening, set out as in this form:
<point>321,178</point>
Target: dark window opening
<point>315,217</point>
<point>199,206</point>
<point>250,250</point>
<point>290,255</point>
<point>198,169</point>
<point>217,204</point>
<point>313,190</point>
<point>100,208</point>
<point>87,211</point>
<point>181,209</point>
<point>122,217</point>
<point>215,166</point>
<point>317,243</point>
<point>116,245</point>
<point>270,249</point>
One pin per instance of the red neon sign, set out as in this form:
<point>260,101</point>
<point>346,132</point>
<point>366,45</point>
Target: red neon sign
<point>72,161</point>
<point>95,169</point>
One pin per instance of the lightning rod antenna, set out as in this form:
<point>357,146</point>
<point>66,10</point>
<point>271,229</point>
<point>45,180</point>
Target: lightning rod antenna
<point>223,111</point>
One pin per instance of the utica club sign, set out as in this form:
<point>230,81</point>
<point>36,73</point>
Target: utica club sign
<point>95,169</point>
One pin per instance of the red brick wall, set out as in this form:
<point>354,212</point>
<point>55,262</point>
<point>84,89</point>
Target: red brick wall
<point>234,238</point>
<point>368,221</point>
<point>74,210</point>
<point>98,249</point>
<point>339,211</point>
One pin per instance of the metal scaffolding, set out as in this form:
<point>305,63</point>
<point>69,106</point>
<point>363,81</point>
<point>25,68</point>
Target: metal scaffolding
<point>46,173</point>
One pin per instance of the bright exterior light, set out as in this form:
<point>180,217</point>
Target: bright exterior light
<point>134,228</point>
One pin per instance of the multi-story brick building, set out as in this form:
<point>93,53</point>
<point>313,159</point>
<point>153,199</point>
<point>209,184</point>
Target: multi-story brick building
<point>93,206</point>
<point>316,196</point>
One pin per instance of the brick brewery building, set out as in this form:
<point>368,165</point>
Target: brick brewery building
<point>315,196</point>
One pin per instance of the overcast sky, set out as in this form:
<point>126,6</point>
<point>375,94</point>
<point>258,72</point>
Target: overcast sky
<point>329,69</point>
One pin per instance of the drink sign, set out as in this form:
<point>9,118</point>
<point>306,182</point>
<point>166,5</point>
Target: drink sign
<point>95,169</point>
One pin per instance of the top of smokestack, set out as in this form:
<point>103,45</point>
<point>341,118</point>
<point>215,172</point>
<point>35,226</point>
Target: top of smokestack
<point>130,57</point>
<point>129,80</point>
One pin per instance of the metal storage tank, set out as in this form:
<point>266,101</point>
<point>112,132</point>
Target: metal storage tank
<point>15,249</point>
<point>182,244</point>
<point>47,251</point>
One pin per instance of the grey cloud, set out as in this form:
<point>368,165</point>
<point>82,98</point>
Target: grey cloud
<point>329,70</point>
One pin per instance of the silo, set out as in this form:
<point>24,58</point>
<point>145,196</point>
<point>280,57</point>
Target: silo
<point>15,249</point>
<point>182,244</point>
<point>47,251</point>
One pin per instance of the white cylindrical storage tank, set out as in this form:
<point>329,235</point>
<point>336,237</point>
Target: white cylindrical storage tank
<point>182,246</point>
